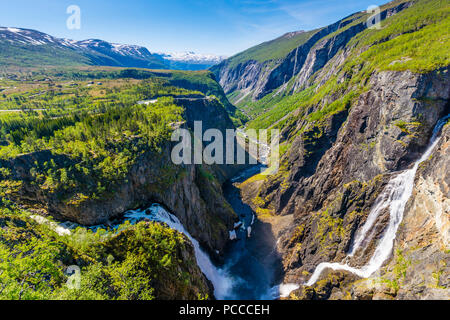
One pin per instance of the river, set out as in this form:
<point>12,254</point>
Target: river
<point>252,262</point>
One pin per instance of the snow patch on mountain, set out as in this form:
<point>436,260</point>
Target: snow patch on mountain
<point>193,57</point>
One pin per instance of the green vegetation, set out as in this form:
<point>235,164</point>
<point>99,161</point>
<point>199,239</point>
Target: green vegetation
<point>77,133</point>
<point>51,87</point>
<point>330,231</point>
<point>409,128</point>
<point>336,106</point>
<point>397,273</point>
<point>362,16</point>
<point>272,50</point>
<point>414,39</point>
<point>283,104</point>
<point>85,128</point>
<point>86,134</point>
<point>143,261</point>
<point>94,148</point>
<point>438,275</point>
<point>205,82</point>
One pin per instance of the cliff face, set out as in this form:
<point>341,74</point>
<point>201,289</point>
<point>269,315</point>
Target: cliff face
<point>333,182</point>
<point>385,130</point>
<point>356,124</point>
<point>351,173</point>
<point>256,79</point>
<point>420,266</point>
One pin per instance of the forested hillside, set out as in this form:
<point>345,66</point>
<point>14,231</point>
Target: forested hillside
<point>86,145</point>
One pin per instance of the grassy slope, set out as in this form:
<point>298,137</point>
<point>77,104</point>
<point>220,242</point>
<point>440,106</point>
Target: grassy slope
<point>415,39</point>
<point>272,50</point>
<point>99,129</point>
<point>31,56</point>
<point>26,55</point>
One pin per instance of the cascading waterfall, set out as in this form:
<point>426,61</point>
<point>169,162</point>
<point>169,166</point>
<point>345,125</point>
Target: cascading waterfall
<point>395,196</point>
<point>281,291</point>
<point>221,281</point>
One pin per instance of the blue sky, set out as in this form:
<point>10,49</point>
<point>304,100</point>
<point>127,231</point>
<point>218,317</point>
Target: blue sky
<point>222,27</point>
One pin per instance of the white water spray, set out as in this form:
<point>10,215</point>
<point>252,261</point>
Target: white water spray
<point>281,291</point>
<point>221,281</point>
<point>395,196</point>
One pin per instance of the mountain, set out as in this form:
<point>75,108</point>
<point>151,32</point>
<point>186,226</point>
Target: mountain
<point>357,209</point>
<point>356,109</point>
<point>112,54</point>
<point>191,60</point>
<point>29,48</point>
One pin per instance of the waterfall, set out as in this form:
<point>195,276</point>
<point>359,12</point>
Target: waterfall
<point>395,196</point>
<point>281,291</point>
<point>221,281</point>
<point>295,63</point>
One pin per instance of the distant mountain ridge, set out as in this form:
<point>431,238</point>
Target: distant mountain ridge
<point>29,48</point>
<point>191,60</point>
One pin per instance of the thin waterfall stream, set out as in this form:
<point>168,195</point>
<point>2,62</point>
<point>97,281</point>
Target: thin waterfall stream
<point>395,196</point>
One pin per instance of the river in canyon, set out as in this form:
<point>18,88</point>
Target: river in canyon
<point>252,261</point>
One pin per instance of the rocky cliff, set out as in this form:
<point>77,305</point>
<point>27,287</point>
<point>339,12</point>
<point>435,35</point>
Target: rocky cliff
<point>192,192</point>
<point>420,265</point>
<point>254,79</point>
<point>357,122</point>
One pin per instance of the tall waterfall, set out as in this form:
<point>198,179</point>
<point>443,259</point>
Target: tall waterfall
<point>395,196</point>
<point>221,281</point>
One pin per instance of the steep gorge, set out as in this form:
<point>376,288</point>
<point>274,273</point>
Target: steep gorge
<point>356,108</point>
